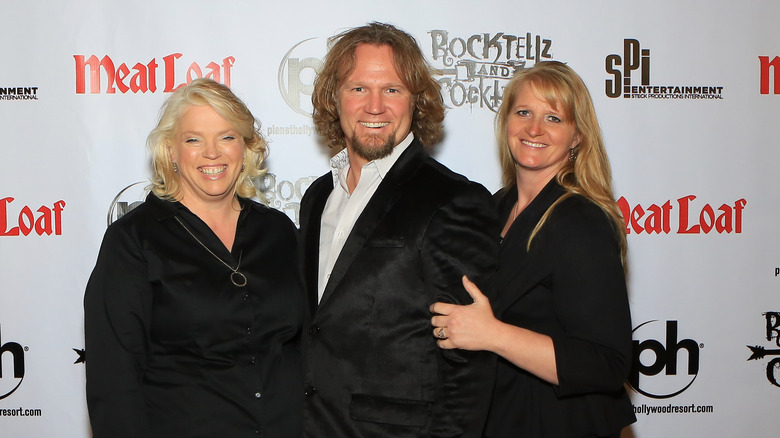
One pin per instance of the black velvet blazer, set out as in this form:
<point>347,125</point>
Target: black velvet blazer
<point>570,286</point>
<point>371,363</point>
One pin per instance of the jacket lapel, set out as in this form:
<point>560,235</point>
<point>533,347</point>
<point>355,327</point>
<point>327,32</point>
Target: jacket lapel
<point>389,190</point>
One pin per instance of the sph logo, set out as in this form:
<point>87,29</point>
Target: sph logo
<point>634,58</point>
<point>651,357</point>
<point>297,72</point>
<point>11,356</point>
<point>127,199</point>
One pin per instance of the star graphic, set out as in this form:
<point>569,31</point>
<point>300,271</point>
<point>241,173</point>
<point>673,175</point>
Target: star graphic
<point>82,356</point>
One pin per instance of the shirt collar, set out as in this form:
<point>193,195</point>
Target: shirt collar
<point>339,164</point>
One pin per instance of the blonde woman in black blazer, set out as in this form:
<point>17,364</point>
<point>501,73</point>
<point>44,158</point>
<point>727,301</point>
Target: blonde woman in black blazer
<point>563,326</point>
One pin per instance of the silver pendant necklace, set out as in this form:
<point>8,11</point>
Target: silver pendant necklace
<point>237,278</point>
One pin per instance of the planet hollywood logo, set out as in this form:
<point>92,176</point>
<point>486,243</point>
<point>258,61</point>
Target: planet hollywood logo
<point>18,93</point>
<point>758,352</point>
<point>299,66</point>
<point>474,69</point>
<point>765,74</point>
<point>147,76</point>
<point>10,381</point>
<point>659,370</point>
<point>127,199</point>
<point>634,62</point>
<point>284,195</point>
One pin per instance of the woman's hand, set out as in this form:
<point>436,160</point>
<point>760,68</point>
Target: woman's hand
<point>469,327</point>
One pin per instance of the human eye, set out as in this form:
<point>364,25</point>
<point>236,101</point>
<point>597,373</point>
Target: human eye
<point>190,140</point>
<point>229,137</point>
<point>554,119</point>
<point>523,112</point>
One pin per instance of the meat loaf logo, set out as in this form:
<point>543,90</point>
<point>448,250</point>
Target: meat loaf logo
<point>636,61</point>
<point>18,93</point>
<point>10,382</point>
<point>475,69</point>
<point>144,77</point>
<point>651,357</point>
<point>765,64</point>
<point>758,352</point>
<point>45,220</point>
<point>690,217</point>
<point>127,199</point>
<point>284,195</point>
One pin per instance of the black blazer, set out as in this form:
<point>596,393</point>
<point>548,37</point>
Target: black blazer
<point>174,348</point>
<point>371,363</point>
<point>570,286</point>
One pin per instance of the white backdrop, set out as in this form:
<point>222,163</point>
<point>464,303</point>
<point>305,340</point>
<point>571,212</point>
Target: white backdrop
<point>693,141</point>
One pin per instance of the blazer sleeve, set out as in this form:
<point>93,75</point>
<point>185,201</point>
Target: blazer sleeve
<point>462,238</point>
<point>593,353</point>
<point>116,311</point>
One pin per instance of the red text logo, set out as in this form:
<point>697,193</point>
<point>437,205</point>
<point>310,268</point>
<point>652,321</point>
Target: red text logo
<point>689,216</point>
<point>144,77</point>
<point>765,76</point>
<point>45,220</point>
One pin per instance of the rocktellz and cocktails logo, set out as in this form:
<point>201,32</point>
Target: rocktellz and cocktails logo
<point>758,352</point>
<point>636,61</point>
<point>475,69</point>
<point>146,77</point>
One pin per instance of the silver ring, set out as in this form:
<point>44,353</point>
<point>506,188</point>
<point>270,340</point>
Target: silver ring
<point>441,334</point>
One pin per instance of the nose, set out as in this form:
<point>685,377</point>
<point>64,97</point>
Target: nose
<point>535,127</point>
<point>375,103</point>
<point>211,150</point>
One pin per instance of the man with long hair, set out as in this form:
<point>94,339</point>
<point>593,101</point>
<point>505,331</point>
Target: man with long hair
<point>384,235</point>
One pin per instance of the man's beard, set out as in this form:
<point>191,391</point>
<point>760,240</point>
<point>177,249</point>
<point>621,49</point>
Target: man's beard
<point>372,152</point>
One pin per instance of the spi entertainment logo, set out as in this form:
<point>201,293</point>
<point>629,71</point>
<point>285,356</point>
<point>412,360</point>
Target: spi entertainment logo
<point>476,68</point>
<point>657,370</point>
<point>10,382</point>
<point>18,93</point>
<point>772,326</point>
<point>635,62</point>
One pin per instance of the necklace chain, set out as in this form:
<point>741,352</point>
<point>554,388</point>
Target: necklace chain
<point>237,278</point>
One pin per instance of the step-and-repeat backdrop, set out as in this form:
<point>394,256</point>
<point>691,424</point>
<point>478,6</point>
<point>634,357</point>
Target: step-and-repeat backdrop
<point>688,96</point>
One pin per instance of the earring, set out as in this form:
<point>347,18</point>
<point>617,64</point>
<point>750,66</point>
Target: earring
<point>175,167</point>
<point>243,166</point>
<point>572,155</point>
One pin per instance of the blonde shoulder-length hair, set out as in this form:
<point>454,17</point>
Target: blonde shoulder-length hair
<point>588,174</point>
<point>165,182</point>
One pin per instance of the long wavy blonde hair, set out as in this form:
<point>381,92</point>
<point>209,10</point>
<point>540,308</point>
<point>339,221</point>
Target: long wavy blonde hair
<point>589,175</point>
<point>165,182</point>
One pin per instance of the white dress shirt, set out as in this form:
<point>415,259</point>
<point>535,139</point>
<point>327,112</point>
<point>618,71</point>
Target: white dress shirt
<point>342,209</point>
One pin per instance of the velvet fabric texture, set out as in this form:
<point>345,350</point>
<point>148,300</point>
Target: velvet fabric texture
<point>371,363</point>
